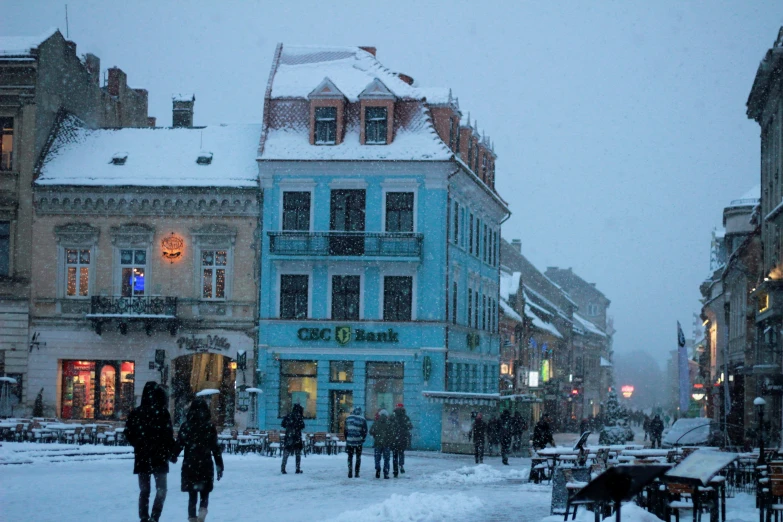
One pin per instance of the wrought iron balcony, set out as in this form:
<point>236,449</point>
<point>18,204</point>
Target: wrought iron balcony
<point>137,306</point>
<point>338,243</point>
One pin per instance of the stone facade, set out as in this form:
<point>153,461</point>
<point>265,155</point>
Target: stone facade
<point>39,81</point>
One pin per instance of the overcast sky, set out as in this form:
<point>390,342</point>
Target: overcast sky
<point>620,126</point>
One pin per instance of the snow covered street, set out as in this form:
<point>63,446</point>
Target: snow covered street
<point>435,487</point>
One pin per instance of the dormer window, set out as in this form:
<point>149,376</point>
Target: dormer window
<point>377,108</point>
<point>119,158</point>
<point>375,119</point>
<point>325,125</point>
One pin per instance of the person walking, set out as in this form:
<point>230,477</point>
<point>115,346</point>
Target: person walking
<point>293,424</point>
<point>478,433</point>
<point>381,433</point>
<point>198,437</point>
<point>542,433</point>
<point>519,426</point>
<point>656,430</point>
<point>355,432</point>
<point>493,433</point>
<point>506,431</point>
<point>646,426</point>
<point>151,434</point>
<point>401,428</point>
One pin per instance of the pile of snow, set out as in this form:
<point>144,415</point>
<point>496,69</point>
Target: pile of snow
<point>481,474</point>
<point>418,507</point>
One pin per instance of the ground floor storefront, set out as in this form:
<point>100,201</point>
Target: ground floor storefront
<point>331,368</point>
<point>86,376</point>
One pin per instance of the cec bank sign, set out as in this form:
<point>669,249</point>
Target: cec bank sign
<point>343,335</point>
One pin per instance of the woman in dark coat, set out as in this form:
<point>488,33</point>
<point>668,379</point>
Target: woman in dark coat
<point>149,431</point>
<point>401,428</point>
<point>293,424</point>
<point>198,437</point>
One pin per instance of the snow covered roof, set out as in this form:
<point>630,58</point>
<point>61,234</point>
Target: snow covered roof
<point>509,283</point>
<point>23,45</point>
<point>750,198</point>
<point>351,69</point>
<point>531,296</point>
<point>508,311</point>
<point>183,96</point>
<point>588,326</point>
<point>154,157</point>
<point>540,323</point>
<point>605,363</point>
<point>416,141</point>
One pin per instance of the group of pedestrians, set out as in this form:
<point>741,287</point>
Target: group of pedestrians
<point>391,437</point>
<point>149,430</point>
<point>500,431</point>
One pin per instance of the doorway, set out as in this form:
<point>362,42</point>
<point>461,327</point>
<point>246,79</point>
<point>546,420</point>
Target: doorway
<point>340,406</point>
<point>205,371</point>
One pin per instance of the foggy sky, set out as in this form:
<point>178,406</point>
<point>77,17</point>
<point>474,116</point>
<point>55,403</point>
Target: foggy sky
<point>620,126</point>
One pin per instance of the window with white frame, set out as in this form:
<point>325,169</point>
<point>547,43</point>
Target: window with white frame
<point>133,266</point>
<point>294,294</point>
<point>77,272</point>
<point>325,126</point>
<point>214,264</point>
<point>346,297</point>
<point>296,211</point>
<point>397,298</point>
<point>375,119</point>
<point>399,212</point>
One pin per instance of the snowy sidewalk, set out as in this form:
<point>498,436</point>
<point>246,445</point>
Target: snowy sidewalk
<point>436,487</point>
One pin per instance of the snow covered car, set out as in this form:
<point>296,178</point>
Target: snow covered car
<point>690,432</point>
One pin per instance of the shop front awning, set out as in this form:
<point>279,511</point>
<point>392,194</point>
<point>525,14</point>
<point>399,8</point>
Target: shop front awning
<point>474,399</point>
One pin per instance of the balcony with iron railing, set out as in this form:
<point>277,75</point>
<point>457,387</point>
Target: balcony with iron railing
<point>151,310</point>
<point>347,244</point>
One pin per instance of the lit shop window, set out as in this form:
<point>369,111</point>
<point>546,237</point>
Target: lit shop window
<point>384,387</point>
<point>298,385</point>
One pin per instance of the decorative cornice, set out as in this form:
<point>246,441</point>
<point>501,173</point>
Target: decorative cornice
<point>214,235</point>
<point>77,234</point>
<point>237,202</point>
<point>132,235</point>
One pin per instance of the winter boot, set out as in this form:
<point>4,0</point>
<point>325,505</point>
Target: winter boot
<point>298,471</point>
<point>356,474</point>
<point>377,473</point>
<point>350,474</point>
<point>192,519</point>
<point>282,470</point>
<point>202,514</point>
<point>395,474</point>
<point>385,475</point>
<point>402,470</point>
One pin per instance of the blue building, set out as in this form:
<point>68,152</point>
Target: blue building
<point>379,248</point>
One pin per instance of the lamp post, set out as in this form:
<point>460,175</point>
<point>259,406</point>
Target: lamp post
<point>760,403</point>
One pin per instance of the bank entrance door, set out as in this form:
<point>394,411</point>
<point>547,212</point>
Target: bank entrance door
<point>340,406</point>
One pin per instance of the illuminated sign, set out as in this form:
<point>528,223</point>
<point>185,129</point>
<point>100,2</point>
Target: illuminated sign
<point>532,380</point>
<point>345,334</point>
<point>545,370</point>
<point>172,247</point>
<point>627,391</point>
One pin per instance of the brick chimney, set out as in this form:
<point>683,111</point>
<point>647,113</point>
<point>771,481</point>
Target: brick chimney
<point>516,244</point>
<point>182,110</point>
<point>118,81</point>
<point>151,121</point>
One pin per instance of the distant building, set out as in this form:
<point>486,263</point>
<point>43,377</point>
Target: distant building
<point>764,107</point>
<point>379,251</point>
<point>40,77</point>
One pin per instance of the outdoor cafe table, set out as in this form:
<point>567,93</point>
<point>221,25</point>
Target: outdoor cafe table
<point>699,469</point>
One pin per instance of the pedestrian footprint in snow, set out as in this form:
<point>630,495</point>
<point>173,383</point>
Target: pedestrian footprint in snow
<point>198,437</point>
<point>151,434</point>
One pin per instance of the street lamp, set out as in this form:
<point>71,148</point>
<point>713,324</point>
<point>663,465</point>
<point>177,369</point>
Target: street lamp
<point>698,392</point>
<point>760,403</point>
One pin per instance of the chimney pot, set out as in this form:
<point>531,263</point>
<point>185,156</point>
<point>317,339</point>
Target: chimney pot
<point>517,244</point>
<point>151,121</point>
<point>93,65</point>
<point>117,81</point>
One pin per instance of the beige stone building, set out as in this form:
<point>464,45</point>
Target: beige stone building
<point>40,77</point>
<point>145,267</point>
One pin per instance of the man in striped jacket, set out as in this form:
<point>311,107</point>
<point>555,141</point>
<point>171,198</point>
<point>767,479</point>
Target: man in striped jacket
<point>355,434</point>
